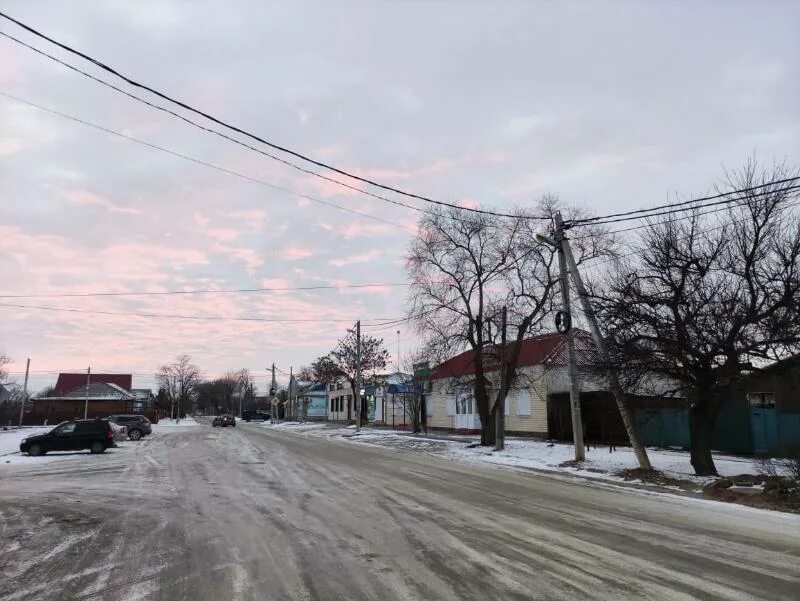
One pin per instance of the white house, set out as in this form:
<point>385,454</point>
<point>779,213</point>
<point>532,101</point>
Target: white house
<point>540,388</point>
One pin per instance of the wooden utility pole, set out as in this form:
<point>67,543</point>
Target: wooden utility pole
<point>574,387</point>
<point>24,393</point>
<point>500,405</point>
<point>86,402</point>
<point>357,391</point>
<point>605,359</point>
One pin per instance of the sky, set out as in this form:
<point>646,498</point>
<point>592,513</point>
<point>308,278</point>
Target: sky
<point>609,105</point>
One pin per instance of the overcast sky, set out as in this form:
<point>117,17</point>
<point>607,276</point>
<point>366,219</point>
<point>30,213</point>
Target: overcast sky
<point>609,105</point>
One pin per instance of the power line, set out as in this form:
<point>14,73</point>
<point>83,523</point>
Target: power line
<point>195,160</point>
<point>683,206</point>
<point>246,133</point>
<point>637,251</point>
<point>174,316</point>
<point>208,129</point>
<point>666,221</point>
<point>191,292</point>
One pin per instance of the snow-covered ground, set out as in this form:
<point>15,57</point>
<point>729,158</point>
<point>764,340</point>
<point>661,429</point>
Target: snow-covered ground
<point>10,439</point>
<point>530,454</point>
<point>166,423</point>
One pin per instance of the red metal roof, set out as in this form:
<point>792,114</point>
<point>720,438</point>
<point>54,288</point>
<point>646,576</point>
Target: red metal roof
<point>69,382</point>
<point>535,351</point>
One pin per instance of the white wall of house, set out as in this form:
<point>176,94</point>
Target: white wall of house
<point>451,405</point>
<point>339,395</point>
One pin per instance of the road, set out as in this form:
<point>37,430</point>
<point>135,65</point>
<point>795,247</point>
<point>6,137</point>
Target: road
<point>249,513</point>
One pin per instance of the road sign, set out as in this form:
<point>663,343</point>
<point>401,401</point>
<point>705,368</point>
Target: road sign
<point>275,401</point>
<point>421,370</point>
<point>563,322</point>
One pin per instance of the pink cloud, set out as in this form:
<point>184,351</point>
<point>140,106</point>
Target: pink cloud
<point>297,253</point>
<point>86,198</point>
<point>364,257</point>
<point>10,146</point>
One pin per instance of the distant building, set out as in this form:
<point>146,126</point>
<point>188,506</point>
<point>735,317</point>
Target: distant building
<point>107,394</point>
<point>312,396</point>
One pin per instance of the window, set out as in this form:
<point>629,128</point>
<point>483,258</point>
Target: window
<point>333,405</point>
<point>765,400</point>
<point>464,403</point>
<point>340,386</point>
<point>523,401</point>
<point>331,386</point>
<point>66,428</point>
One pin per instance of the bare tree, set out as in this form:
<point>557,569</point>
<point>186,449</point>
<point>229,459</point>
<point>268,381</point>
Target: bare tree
<point>343,360</point>
<point>4,360</point>
<point>704,299</point>
<point>179,380</point>
<point>465,267</point>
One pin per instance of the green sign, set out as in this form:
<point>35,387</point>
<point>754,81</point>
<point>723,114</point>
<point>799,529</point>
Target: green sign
<point>422,370</point>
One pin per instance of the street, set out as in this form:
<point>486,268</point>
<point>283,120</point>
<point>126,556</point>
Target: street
<point>249,513</point>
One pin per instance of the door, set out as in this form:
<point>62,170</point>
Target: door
<point>763,421</point>
<point>465,416</point>
<point>764,425</point>
<point>65,438</point>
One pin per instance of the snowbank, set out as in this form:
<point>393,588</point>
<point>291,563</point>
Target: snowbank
<point>167,423</point>
<point>297,426</point>
<point>544,455</point>
<point>10,439</point>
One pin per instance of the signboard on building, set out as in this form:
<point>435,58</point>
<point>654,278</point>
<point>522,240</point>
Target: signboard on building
<point>422,370</point>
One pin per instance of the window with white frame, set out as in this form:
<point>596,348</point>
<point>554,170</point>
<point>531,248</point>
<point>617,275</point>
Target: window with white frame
<point>523,401</point>
<point>764,400</point>
<point>464,403</point>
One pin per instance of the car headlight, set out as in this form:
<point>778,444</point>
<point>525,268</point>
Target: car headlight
<point>23,441</point>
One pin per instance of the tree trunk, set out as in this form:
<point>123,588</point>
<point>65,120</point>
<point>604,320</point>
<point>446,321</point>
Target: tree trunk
<point>702,428</point>
<point>488,431</point>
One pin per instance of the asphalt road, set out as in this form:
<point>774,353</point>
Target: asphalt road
<point>248,513</point>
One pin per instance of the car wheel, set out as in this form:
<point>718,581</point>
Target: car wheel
<point>35,450</point>
<point>97,447</point>
<point>135,434</point>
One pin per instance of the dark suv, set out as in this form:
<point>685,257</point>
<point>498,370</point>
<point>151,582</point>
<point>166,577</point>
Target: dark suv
<point>76,435</point>
<point>249,414</point>
<point>137,425</point>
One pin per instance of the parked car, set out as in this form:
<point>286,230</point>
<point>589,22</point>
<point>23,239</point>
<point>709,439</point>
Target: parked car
<point>137,425</point>
<point>120,432</point>
<point>257,415</point>
<point>94,434</point>
<point>224,420</point>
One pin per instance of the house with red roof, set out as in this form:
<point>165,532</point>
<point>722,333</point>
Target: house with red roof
<point>98,395</point>
<point>538,402</point>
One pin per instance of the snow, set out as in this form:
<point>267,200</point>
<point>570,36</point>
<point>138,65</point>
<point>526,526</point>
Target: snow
<point>168,424</point>
<point>10,439</point>
<point>300,428</point>
<point>532,454</point>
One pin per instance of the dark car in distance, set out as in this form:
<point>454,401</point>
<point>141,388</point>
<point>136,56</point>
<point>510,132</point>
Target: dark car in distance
<point>254,414</point>
<point>95,435</point>
<point>224,420</point>
<point>137,425</point>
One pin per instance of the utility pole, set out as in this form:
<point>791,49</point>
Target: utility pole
<point>24,392</point>
<point>500,406</point>
<point>273,391</point>
<point>398,351</point>
<point>358,374</point>
<point>290,396</point>
<point>574,387</point>
<point>86,402</point>
<point>605,358</point>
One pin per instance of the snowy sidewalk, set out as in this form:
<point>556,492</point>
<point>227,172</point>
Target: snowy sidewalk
<point>529,453</point>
